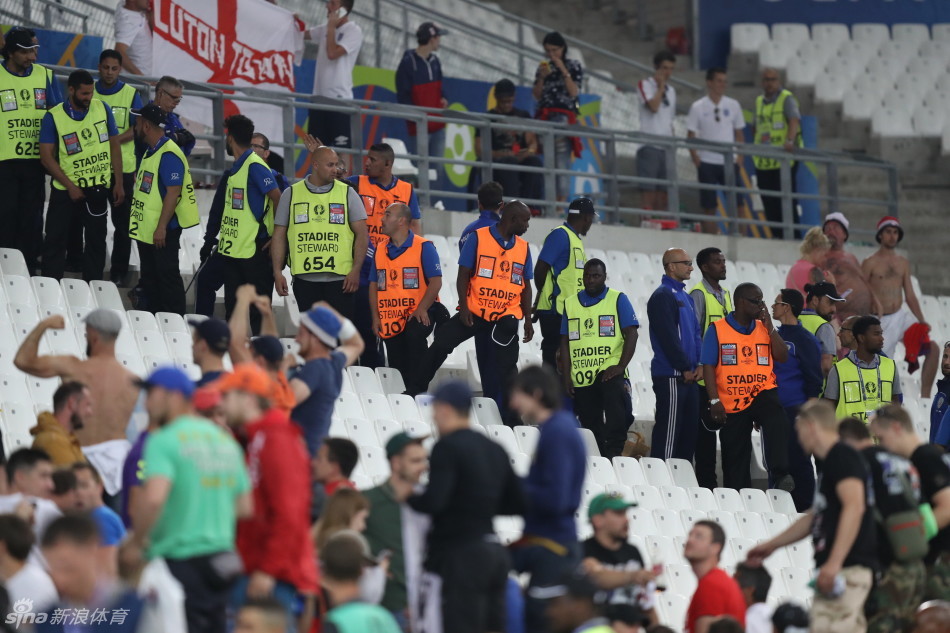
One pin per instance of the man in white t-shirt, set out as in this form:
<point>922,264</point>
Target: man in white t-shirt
<point>657,109</point>
<point>22,577</point>
<point>339,42</point>
<point>133,36</point>
<point>714,117</point>
<point>30,473</point>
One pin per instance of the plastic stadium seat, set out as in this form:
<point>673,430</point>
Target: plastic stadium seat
<point>600,470</point>
<point>179,345</point>
<point>374,463</point>
<point>797,580</point>
<point>13,263</point>
<point>802,554</point>
<point>589,491</point>
<point>668,522</point>
<point>775,523</point>
<point>656,471</point>
<point>872,87</point>
<point>673,606</point>
<point>662,549</point>
<point>910,32</point>
<point>746,37</point>
<point>618,263</point>
<point>13,386</point>
<point>689,517</point>
<point>871,32</point>
<point>375,406</point>
<point>361,431</point>
<point>142,321</point>
<point>348,406</point>
<point>702,499</point>
<point>629,472</point>
<point>941,31</point>
<point>404,407</point>
<point>486,411</point>
<point>18,418</point>
<point>520,463</point>
<point>106,295</point>
<point>675,498</point>
<point>888,122</point>
<point>385,429</point>
<point>751,525</point>
<point>682,579</point>
<point>648,497</point>
<point>781,501</point>
<point>931,61</point>
<point>642,522</point>
<point>527,438</point>
<point>887,68</point>
<point>899,50</point>
<point>805,66</point>
<point>63,342</point>
<point>929,121</point>
<point>18,289</point>
<point>504,436</point>
<point>590,442</point>
<point>776,53</point>
<point>727,520</point>
<point>790,32</point>
<point>390,379</point>
<point>828,87</point>
<point>830,32</point>
<point>857,53</point>
<point>424,406</point>
<point>728,499</point>
<point>364,380</point>
<point>171,322</point>
<point>755,500</point>
<point>151,343</point>
<point>48,291</point>
<point>682,472</point>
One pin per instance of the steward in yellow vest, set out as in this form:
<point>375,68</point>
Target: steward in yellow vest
<point>738,359</point>
<point>247,220</point>
<point>27,91</point>
<point>404,289</point>
<point>560,273</point>
<point>320,228</point>
<point>820,309</point>
<point>121,99</point>
<point>494,284</point>
<point>79,147</point>
<point>163,204</point>
<point>598,340</point>
<point>864,380</point>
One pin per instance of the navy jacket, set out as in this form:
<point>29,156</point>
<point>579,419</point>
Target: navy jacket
<point>674,330</point>
<point>939,421</point>
<point>799,378</point>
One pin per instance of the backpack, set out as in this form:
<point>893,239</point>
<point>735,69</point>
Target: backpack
<point>905,529</point>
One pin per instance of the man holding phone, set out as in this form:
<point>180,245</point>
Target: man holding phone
<point>738,359</point>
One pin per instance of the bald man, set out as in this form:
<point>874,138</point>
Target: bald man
<point>322,222</point>
<point>677,340</point>
<point>933,617</point>
<point>494,292</point>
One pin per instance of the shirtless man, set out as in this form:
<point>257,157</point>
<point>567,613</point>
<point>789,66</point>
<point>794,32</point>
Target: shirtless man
<point>850,280</point>
<point>111,385</point>
<point>889,276</point>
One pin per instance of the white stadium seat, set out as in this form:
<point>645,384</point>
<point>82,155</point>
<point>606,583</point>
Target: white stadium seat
<point>142,321</point>
<point>48,291</point>
<point>682,472</point>
<point>404,407</point>
<point>391,380</point>
<point>648,497</point>
<point>888,122</point>
<point>373,462</point>
<point>364,379</point>
<point>375,405</point>
<point>504,436</point>
<point>106,295</point>
<point>17,419</point>
<point>171,322</point>
<point>727,520</point>
<point>913,87</point>
<point>790,32</point>
<point>151,343</point>
<point>871,32</point>
<point>728,499</point>
<point>361,431</point>
<point>828,87</point>
<point>886,67</point>
<point>642,522</point>
<point>689,517</point>
<point>527,438</point>
<point>702,499</point>
<point>179,345</point>
<point>941,32</point>
<point>900,50</point>
<point>746,37</point>
<point>755,500</point>
<point>806,64</point>
<point>910,32</point>
<point>590,442</point>
<point>348,406</point>
<point>629,472</point>
<point>751,526</point>
<point>776,53</point>
<point>675,498</point>
<point>662,549</point>
<point>385,429</point>
<point>781,501</point>
<point>12,262</point>
<point>656,471</point>
<point>668,522</point>
<point>18,289</point>
<point>929,121</point>
<point>829,32</point>
<point>486,411</point>
<point>601,471</point>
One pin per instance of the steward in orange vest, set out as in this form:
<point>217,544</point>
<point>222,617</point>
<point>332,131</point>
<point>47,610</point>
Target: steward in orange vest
<point>404,289</point>
<point>495,271</point>
<point>738,361</point>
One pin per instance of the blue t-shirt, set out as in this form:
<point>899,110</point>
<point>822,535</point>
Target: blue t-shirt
<point>556,253</point>
<point>625,311</point>
<point>431,266</point>
<point>485,218</point>
<point>324,377</point>
<point>48,126</point>
<point>710,353</point>
<point>111,530</point>
<point>208,378</point>
<point>54,95</point>
<point>469,252</point>
<point>116,87</point>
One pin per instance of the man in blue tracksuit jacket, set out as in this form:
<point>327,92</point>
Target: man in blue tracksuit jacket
<point>799,379</point>
<point>677,341</point>
<point>940,410</point>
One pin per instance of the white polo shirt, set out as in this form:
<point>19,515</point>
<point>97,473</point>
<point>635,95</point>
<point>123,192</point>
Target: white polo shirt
<point>661,121</point>
<point>131,29</point>
<point>702,122</point>
<point>334,77</point>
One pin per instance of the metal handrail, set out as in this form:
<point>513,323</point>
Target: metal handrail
<point>547,132</point>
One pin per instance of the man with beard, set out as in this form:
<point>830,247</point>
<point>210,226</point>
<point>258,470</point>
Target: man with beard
<point>821,305</point>
<point>939,418</point>
<point>247,221</point>
<point>163,205</point>
<point>55,432</point>
<point>859,298</point>
<point>889,276</point>
<point>494,290</point>
<point>864,380</point>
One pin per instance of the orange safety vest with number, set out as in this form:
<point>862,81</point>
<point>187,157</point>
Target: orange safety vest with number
<point>400,285</point>
<point>376,200</point>
<point>494,290</point>
<point>745,366</point>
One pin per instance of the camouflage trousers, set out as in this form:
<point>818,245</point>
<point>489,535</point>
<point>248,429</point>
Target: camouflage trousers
<point>938,579</point>
<point>895,597</point>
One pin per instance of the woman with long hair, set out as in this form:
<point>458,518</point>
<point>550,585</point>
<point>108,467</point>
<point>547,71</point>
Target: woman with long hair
<point>808,270</point>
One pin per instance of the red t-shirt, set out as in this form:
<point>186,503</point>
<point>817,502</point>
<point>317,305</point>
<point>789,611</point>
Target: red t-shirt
<point>716,594</point>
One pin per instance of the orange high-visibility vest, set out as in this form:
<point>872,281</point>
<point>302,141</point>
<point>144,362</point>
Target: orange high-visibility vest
<point>495,288</point>
<point>376,200</point>
<point>400,285</point>
<point>745,365</point>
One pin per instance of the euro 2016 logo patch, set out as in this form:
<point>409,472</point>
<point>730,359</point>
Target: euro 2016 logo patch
<point>870,388</point>
<point>607,325</point>
<point>86,134</point>
<point>381,279</point>
<point>410,278</point>
<point>147,178</point>
<point>728,354</point>
<point>71,141</point>
<point>237,198</point>
<point>337,213</point>
<point>25,94</point>
<point>517,274</point>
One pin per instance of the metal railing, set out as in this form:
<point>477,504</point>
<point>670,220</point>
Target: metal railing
<point>611,178</point>
<point>81,16</point>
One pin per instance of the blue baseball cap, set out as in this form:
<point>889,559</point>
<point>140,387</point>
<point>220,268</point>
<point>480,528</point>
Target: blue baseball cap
<point>323,324</point>
<point>454,393</point>
<point>170,379</point>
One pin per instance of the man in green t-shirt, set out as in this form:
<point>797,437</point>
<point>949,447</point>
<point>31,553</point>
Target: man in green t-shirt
<point>341,566</point>
<point>196,488</point>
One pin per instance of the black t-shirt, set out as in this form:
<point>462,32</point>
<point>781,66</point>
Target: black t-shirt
<point>505,139</point>
<point>842,462</point>
<point>933,466</point>
<point>626,558</point>
<point>887,471</point>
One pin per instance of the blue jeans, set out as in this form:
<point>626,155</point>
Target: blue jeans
<point>436,149</point>
<point>546,568</point>
<point>285,593</point>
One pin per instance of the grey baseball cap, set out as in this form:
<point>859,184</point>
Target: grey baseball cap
<point>105,321</point>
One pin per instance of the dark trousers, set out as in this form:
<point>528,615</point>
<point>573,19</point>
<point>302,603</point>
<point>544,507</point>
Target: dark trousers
<point>474,583</point>
<point>677,409</point>
<point>308,293</point>
<point>550,338</point>
<point>706,444</point>
<point>372,356</point>
<point>799,466</point>
<point>453,333</point>
<point>604,407</point>
<point>121,242</point>
<point>404,350</point>
<point>519,184</point>
<point>91,212</point>
<point>21,214</point>
<point>736,438</point>
<point>160,276</point>
<point>332,128</point>
<point>771,180</point>
<point>255,270</point>
<point>206,590</point>
<point>209,280</point>
<point>546,568</point>
<point>485,358</point>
